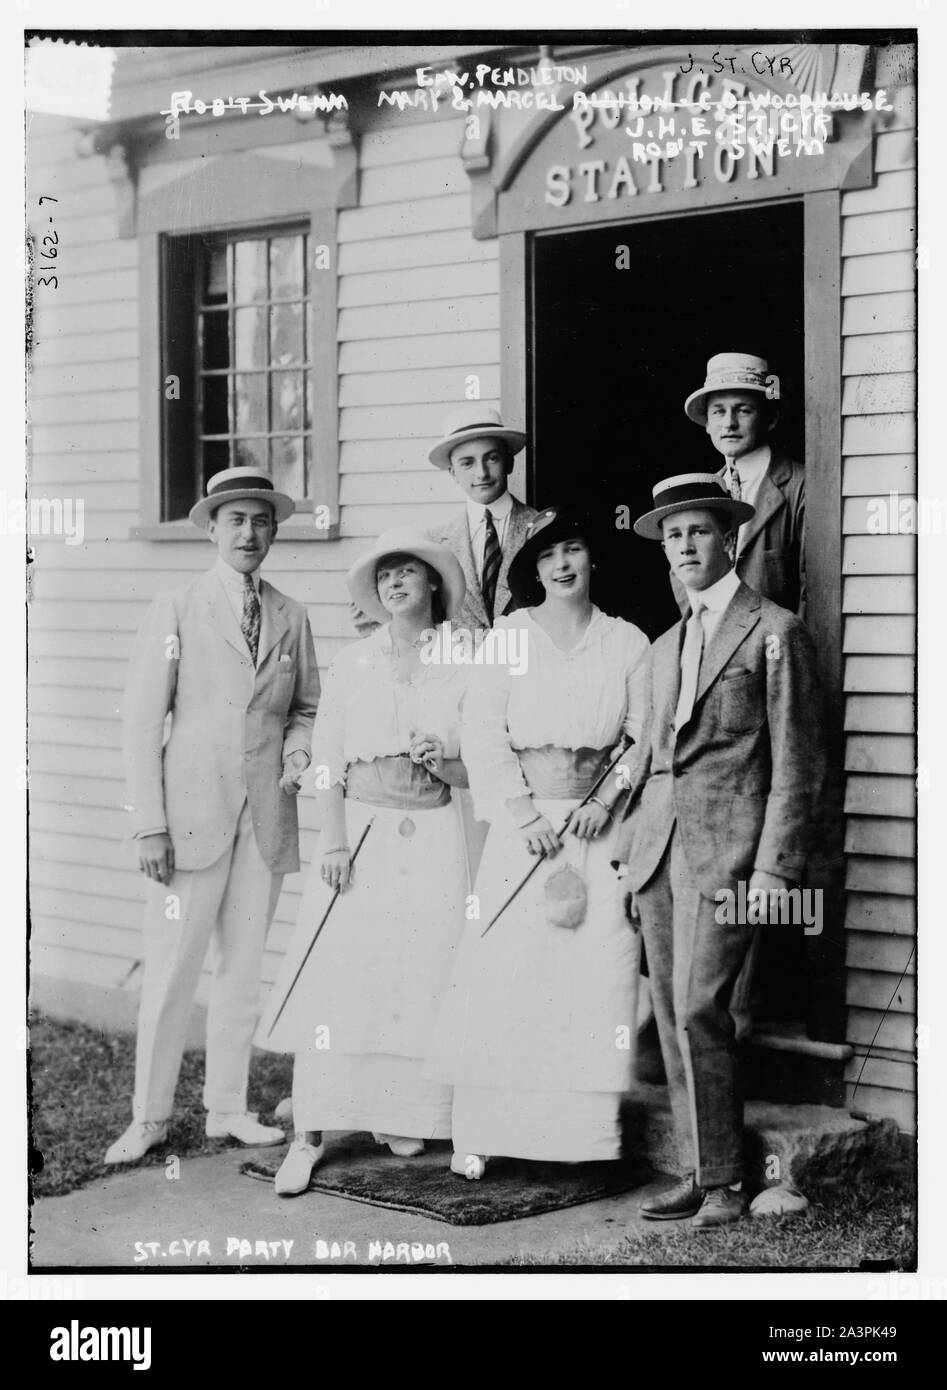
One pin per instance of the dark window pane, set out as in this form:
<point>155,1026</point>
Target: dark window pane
<point>249,271</point>
<point>216,457</point>
<point>215,339</point>
<point>286,268</point>
<point>286,466</point>
<point>250,331</point>
<point>215,274</point>
<point>286,401</point>
<point>214,400</point>
<point>250,453</point>
<point>286,335</point>
<point>250,394</point>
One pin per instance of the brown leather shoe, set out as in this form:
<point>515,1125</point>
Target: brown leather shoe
<point>683,1199</point>
<point>721,1207</point>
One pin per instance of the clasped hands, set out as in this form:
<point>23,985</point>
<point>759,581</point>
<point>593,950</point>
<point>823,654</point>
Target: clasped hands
<point>586,823</point>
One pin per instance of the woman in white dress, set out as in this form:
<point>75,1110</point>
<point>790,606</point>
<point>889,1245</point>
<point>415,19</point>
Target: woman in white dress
<point>385,754</point>
<point>536,1030</point>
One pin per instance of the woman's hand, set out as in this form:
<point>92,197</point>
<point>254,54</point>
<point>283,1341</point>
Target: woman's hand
<point>589,821</point>
<point>337,869</point>
<point>428,750</point>
<point>541,838</point>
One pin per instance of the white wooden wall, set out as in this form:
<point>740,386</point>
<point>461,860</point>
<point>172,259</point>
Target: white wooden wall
<point>879,602</point>
<point>418,313</point>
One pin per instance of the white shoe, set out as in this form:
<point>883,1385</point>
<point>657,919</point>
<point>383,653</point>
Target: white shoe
<point>139,1137</point>
<point>243,1127</point>
<point>284,1111</point>
<point>400,1146</point>
<point>297,1167</point>
<point>471,1166</point>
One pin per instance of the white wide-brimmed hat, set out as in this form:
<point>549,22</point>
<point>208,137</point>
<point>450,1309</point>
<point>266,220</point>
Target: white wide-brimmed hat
<point>686,491</point>
<point>240,485</point>
<point>728,371</point>
<point>473,421</point>
<point>405,540</point>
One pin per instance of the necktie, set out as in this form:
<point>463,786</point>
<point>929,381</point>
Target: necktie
<point>491,564</point>
<point>733,480</point>
<point>250,622</point>
<point>690,667</point>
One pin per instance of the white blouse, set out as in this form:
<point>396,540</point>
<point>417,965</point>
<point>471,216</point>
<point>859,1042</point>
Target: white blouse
<point>366,713</point>
<point>583,698</point>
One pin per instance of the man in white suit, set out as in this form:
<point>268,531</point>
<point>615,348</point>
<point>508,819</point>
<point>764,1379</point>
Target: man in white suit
<point>230,659</point>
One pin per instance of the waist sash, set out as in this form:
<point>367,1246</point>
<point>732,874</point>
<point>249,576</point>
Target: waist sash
<point>396,782</point>
<point>559,774</point>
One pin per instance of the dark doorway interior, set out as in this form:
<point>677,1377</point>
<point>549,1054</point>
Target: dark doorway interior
<point>616,352</point>
<point>614,355</point>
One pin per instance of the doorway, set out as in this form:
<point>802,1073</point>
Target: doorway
<point>615,352</point>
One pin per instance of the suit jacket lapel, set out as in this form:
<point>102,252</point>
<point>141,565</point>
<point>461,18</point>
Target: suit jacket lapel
<point>741,614</point>
<point>457,537</point>
<point>272,620</point>
<point>769,498</point>
<point>219,613</point>
<point>516,529</point>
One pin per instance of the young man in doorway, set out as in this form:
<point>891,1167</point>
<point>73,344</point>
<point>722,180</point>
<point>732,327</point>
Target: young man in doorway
<point>724,795</point>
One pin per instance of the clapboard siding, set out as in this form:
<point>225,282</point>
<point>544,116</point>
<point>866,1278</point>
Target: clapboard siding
<point>879,601</point>
<point>418,317</point>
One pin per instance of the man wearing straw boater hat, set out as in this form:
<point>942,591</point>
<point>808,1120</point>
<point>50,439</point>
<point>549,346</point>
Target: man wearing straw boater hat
<point>230,659</point>
<point>737,406</point>
<point>725,792</point>
<point>478,450</point>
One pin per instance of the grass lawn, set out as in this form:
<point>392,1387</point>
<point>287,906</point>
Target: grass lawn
<point>851,1226</point>
<point>82,1095</point>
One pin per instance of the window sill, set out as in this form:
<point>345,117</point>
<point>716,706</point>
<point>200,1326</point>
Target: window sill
<point>296,530</point>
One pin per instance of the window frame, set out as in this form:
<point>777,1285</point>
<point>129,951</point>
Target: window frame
<point>213,201</point>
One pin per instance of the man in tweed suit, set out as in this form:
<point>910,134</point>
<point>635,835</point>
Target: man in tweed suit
<point>725,794</point>
<point>230,659</point>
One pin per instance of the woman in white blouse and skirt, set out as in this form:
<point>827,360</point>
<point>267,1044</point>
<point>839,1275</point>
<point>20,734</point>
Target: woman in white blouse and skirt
<point>386,746</point>
<point>536,1030</point>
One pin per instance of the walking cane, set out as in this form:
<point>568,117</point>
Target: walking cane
<point>325,918</point>
<point>624,744</point>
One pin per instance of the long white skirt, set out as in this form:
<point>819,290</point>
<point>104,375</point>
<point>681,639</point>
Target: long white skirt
<point>537,1029</point>
<point>362,1012</point>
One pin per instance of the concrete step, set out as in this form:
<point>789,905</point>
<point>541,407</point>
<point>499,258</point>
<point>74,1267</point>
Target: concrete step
<point>805,1145</point>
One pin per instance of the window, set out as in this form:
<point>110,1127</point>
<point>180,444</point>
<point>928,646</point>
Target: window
<point>239,316</point>
<point>237,271</point>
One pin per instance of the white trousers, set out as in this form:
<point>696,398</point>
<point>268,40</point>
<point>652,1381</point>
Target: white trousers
<point>233,901</point>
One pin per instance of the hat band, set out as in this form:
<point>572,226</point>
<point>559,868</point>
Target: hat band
<point>697,496</point>
<point>259,484</point>
<point>478,425</point>
<point>728,378</point>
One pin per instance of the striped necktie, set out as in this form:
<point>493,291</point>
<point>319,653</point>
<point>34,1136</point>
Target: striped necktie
<point>491,564</point>
<point>250,622</point>
<point>733,480</point>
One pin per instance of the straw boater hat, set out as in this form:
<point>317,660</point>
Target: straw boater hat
<point>728,371</point>
<point>405,540</point>
<point>240,485</point>
<point>684,492</point>
<point>473,421</point>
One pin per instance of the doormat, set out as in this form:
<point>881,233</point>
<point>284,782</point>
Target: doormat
<point>356,1167</point>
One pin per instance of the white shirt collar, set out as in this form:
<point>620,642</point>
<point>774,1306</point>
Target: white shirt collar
<point>754,464</point>
<point>233,579</point>
<point>499,510</point>
<point>716,596</point>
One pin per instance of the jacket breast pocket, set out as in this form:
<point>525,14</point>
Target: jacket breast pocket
<point>742,702</point>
